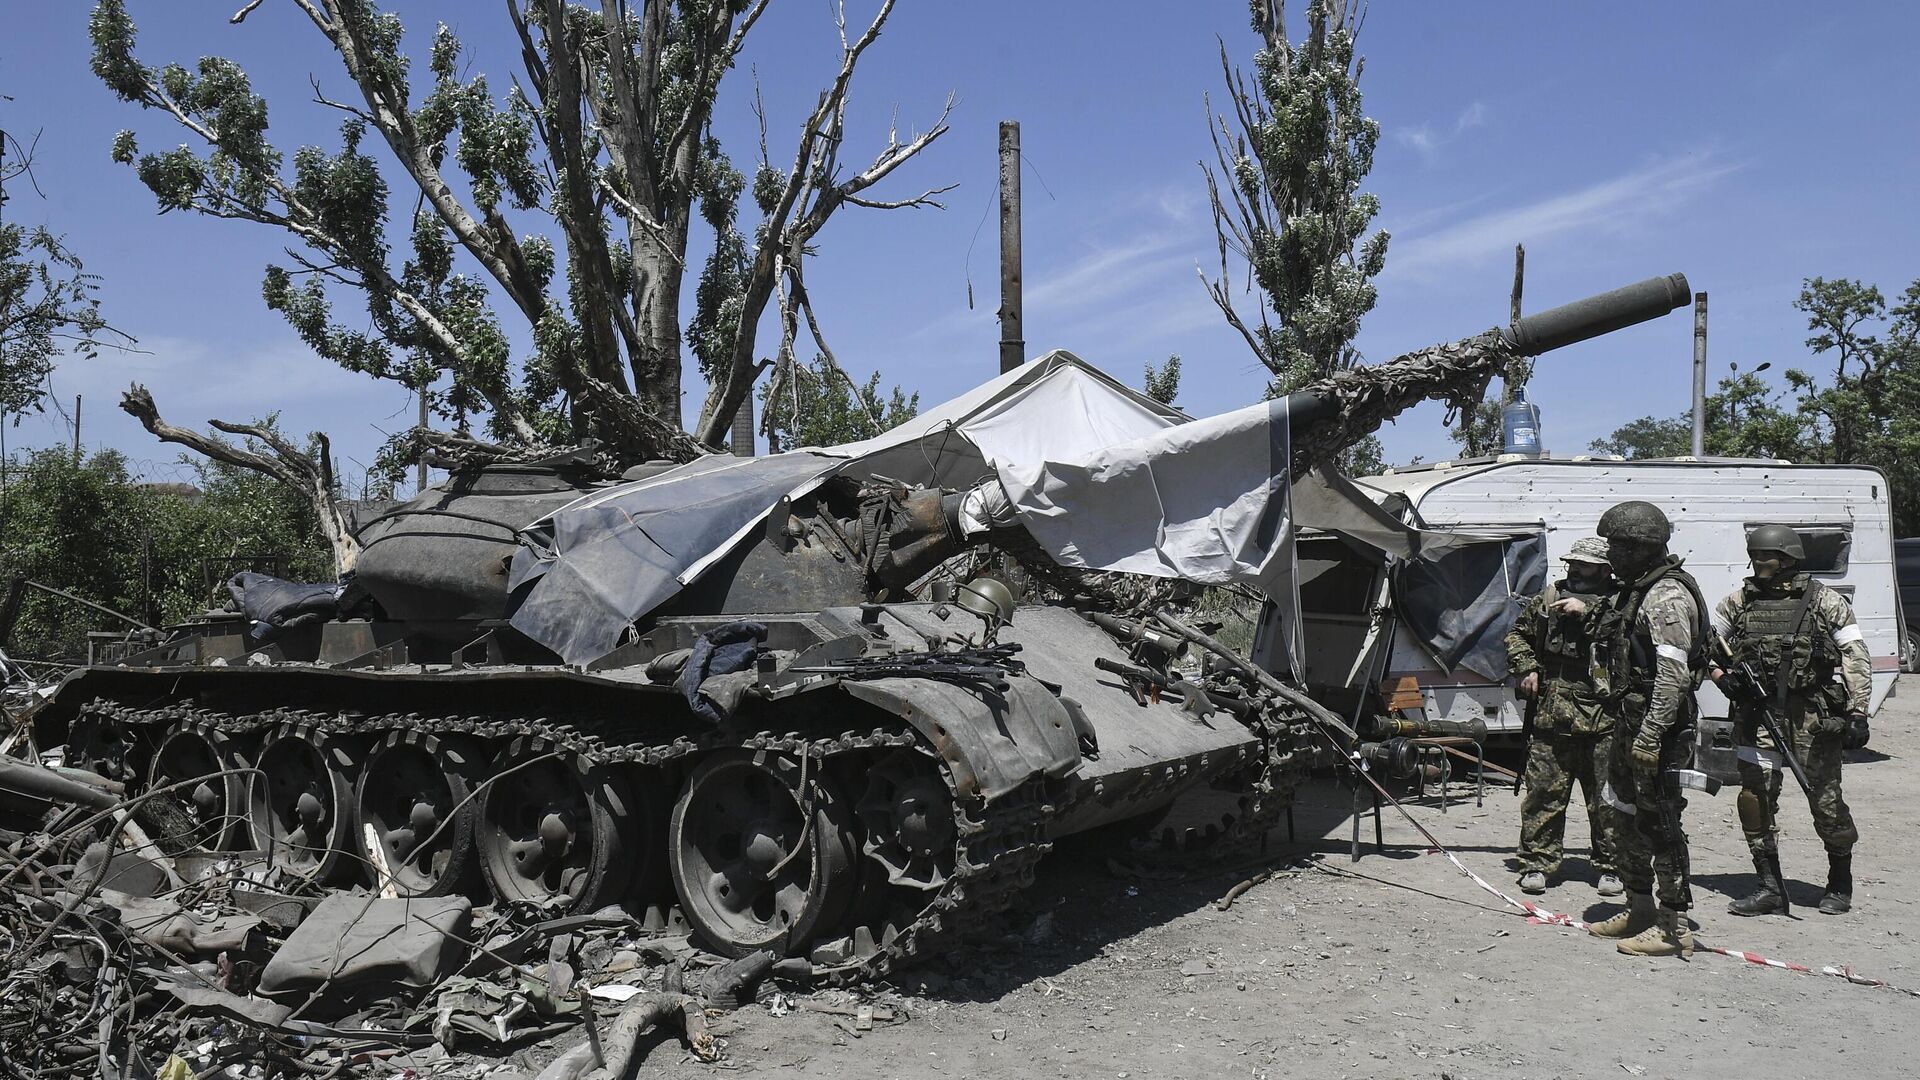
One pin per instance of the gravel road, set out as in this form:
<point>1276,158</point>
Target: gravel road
<point>1398,966</point>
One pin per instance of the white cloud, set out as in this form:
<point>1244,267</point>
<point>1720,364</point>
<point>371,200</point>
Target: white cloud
<point>193,381</point>
<point>1653,191</point>
<point>1425,139</point>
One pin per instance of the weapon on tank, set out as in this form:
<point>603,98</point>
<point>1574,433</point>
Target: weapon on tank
<point>1335,412</point>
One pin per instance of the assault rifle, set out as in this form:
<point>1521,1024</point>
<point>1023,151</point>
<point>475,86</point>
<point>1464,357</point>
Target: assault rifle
<point>1527,717</point>
<point>1741,683</point>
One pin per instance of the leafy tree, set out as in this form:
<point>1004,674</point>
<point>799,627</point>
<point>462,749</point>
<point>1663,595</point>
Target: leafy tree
<point>1286,195</point>
<point>1648,437</point>
<point>570,197</point>
<point>154,553</point>
<point>823,407</point>
<point>1163,384</point>
<point>1865,411</point>
<point>49,304</point>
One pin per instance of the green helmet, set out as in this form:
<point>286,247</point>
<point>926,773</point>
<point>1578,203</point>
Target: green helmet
<point>1778,538</point>
<point>987,597</point>
<point>1636,520</point>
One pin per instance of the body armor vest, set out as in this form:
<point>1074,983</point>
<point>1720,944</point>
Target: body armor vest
<point>1779,634</point>
<point>1565,646</point>
<point>1628,649</point>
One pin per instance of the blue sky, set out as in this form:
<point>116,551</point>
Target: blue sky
<point>1749,145</point>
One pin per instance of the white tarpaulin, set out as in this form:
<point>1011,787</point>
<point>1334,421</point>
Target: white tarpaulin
<point>1205,501</point>
<point>1054,408</point>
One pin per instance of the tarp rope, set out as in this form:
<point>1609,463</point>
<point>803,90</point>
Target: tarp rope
<point>1539,915</point>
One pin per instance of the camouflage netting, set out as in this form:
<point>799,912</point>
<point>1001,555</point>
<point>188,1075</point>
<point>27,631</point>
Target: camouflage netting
<point>1368,397</point>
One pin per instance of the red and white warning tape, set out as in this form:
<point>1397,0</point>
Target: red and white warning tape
<point>1541,916</point>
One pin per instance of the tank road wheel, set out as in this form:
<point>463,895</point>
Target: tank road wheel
<point>416,793</point>
<point>300,804</point>
<point>218,804</point>
<point>907,814</point>
<point>762,853</point>
<point>551,828</point>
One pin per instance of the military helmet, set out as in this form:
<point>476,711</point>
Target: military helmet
<point>1636,520</point>
<point>1777,538</point>
<point>987,597</point>
<point>1587,549</point>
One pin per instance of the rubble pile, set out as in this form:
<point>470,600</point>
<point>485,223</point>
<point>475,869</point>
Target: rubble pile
<point>125,956</point>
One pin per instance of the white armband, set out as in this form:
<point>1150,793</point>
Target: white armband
<point>1848,633</point>
<point>1671,652</point>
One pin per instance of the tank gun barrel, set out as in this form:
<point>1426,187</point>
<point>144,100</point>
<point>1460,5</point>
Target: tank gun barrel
<point>1604,313</point>
<point>1336,411</point>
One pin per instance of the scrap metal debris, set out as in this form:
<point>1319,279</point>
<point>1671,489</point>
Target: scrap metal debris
<point>126,957</point>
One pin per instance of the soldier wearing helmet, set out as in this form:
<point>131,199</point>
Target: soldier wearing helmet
<point>1651,638</point>
<point>1802,640</point>
<point>1551,654</point>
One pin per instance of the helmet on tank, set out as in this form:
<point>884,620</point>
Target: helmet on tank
<point>1641,521</point>
<point>1776,538</point>
<point>1587,549</point>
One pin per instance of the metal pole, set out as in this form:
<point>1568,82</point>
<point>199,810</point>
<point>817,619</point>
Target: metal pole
<point>76,427</point>
<point>1699,374</point>
<point>420,471</point>
<point>1013,345</point>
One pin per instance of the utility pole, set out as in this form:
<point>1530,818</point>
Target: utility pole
<point>76,427</point>
<point>1013,345</point>
<point>1699,374</point>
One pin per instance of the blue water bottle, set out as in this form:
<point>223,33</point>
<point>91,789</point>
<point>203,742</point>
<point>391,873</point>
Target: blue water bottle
<point>1520,424</point>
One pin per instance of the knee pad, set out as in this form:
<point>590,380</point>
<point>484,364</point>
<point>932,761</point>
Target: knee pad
<point>1753,813</point>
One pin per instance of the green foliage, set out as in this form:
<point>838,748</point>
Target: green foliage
<point>821,408</point>
<point>49,304</point>
<point>1163,385</point>
<point>605,127</point>
<point>147,550</point>
<point>1293,173</point>
<point>1648,437</point>
<point>1866,411</point>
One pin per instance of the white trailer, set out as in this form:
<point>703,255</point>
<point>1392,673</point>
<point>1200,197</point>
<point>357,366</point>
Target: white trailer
<point>1425,641</point>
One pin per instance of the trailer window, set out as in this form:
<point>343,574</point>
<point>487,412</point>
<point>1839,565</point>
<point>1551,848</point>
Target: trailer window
<point>1827,546</point>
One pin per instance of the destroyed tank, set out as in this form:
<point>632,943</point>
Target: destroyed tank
<point>811,741</point>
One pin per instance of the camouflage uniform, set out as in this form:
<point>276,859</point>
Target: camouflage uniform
<point>1651,631</point>
<point>1827,643</point>
<point>1571,735</point>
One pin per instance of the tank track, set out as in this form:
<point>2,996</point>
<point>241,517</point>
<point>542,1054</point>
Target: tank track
<point>997,847</point>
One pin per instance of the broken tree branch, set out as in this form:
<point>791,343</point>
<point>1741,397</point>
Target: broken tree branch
<point>289,465</point>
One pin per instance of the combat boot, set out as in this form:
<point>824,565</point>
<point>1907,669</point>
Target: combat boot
<point>1767,899</point>
<point>1839,898</point>
<point>1638,916</point>
<point>1668,936</point>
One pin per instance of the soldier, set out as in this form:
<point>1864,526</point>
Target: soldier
<point>1797,634</point>
<point>1651,635</point>
<point>1552,654</point>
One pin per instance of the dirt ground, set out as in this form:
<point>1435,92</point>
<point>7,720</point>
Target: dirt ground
<point>1398,966</point>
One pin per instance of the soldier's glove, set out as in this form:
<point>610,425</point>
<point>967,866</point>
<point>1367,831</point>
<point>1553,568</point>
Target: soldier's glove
<point>1646,761</point>
<point>1857,732</point>
<point>1826,723</point>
